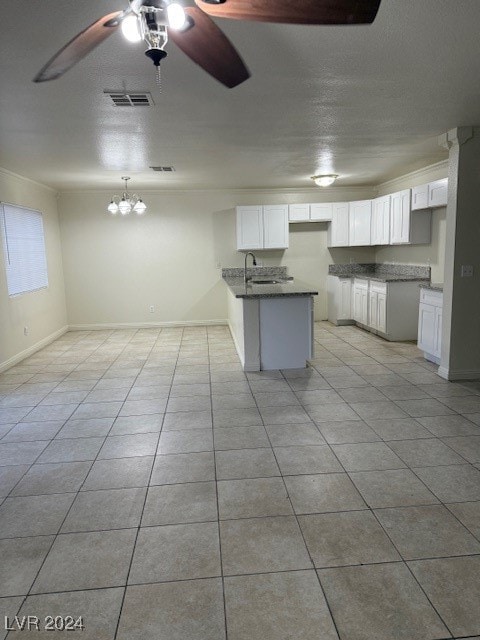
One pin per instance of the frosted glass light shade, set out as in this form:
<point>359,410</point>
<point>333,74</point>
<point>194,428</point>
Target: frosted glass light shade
<point>112,207</point>
<point>131,29</point>
<point>324,181</point>
<point>124,207</point>
<point>140,207</point>
<point>176,16</point>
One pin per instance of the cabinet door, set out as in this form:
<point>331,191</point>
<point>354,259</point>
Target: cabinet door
<point>400,217</point>
<point>437,193</point>
<point>364,319</point>
<point>298,212</point>
<point>426,328</point>
<point>381,221</point>
<point>360,221</point>
<point>275,226</point>
<point>420,197</point>
<point>321,212</point>
<point>345,299</point>
<point>373,309</point>
<point>357,304</point>
<point>338,230</point>
<point>250,227</point>
<point>437,343</point>
<point>382,313</point>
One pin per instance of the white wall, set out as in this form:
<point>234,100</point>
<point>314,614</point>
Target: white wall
<point>44,311</point>
<point>115,268</point>
<point>432,254</point>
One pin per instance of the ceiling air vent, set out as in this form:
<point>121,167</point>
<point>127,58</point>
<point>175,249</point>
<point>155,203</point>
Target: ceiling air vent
<point>163,169</point>
<point>130,98</point>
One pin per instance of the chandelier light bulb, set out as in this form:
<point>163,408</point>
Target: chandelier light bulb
<point>176,15</point>
<point>325,180</point>
<point>140,207</point>
<point>112,207</point>
<point>124,207</point>
<point>131,29</point>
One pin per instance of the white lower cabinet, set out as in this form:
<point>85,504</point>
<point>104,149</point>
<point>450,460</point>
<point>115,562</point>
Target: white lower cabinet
<point>377,307</point>
<point>360,301</point>
<point>387,308</point>
<point>339,293</point>
<point>430,324</point>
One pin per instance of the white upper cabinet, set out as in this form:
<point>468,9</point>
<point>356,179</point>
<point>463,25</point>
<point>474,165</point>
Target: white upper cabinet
<point>400,217</point>
<point>321,212</point>
<point>420,197</point>
<point>381,221</point>
<point>407,227</point>
<point>250,227</point>
<point>275,226</point>
<point>339,228</point>
<point>299,213</point>
<point>437,193</point>
<point>430,195</point>
<point>360,221</point>
<point>316,212</point>
<point>262,227</point>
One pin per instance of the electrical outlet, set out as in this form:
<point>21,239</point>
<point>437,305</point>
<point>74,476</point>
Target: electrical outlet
<point>152,308</point>
<point>25,331</point>
<point>218,264</point>
<point>467,271</point>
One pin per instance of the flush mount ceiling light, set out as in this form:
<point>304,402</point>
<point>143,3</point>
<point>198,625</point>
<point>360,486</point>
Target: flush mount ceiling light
<point>325,180</point>
<point>127,203</point>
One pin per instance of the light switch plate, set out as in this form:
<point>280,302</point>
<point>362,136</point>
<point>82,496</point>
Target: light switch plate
<point>467,271</point>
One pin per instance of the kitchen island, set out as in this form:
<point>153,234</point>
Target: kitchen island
<point>270,319</point>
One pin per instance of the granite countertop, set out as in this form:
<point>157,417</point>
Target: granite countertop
<point>381,272</point>
<point>286,287</point>
<point>386,277</point>
<point>434,286</point>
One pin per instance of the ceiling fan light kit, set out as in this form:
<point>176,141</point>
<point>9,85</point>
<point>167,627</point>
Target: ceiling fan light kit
<point>127,203</point>
<point>197,35</point>
<point>325,180</point>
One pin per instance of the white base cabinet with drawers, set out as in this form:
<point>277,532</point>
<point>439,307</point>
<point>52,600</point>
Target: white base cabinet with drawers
<point>389,309</point>
<point>430,324</point>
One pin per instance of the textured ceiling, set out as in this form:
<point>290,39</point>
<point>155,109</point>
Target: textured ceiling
<point>366,102</point>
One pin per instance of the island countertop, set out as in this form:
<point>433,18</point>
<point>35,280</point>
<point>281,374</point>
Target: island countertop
<point>285,287</point>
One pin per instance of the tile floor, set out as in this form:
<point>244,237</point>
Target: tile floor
<point>150,486</point>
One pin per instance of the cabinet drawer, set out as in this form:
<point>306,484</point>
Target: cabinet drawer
<point>428,296</point>
<point>359,283</point>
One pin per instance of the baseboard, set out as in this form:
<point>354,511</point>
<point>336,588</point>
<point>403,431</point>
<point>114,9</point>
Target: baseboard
<point>101,326</point>
<point>461,374</point>
<point>33,349</point>
<point>237,347</point>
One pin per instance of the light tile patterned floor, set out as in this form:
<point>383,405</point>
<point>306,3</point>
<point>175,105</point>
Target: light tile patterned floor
<point>150,486</point>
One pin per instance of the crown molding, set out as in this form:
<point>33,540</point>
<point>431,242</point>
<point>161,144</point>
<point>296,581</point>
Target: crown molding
<point>17,176</point>
<point>418,173</point>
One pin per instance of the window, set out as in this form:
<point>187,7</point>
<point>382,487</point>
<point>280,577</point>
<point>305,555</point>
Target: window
<point>24,249</point>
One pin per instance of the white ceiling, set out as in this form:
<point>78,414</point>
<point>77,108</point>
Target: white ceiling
<point>366,102</point>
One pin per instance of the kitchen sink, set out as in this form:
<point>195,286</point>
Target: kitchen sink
<point>272,281</point>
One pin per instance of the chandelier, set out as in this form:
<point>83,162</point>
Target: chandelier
<point>127,203</point>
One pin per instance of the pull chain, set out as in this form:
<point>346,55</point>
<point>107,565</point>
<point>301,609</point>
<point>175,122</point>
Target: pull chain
<point>159,78</point>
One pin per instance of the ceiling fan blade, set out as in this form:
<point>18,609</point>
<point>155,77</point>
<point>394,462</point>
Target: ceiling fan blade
<point>294,11</point>
<point>210,48</point>
<point>79,47</point>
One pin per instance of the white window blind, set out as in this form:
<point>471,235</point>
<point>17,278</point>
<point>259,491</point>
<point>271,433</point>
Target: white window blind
<point>24,249</point>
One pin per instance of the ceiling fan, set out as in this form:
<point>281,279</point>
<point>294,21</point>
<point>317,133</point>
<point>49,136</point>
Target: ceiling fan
<point>197,35</point>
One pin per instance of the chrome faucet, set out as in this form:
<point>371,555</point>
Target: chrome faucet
<point>245,277</point>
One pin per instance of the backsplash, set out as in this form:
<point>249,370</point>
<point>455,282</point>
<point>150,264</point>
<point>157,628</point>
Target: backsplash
<point>238,272</point>
<point>419,271</point>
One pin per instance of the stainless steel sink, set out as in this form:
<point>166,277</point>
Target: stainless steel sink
<point>267,281</point>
